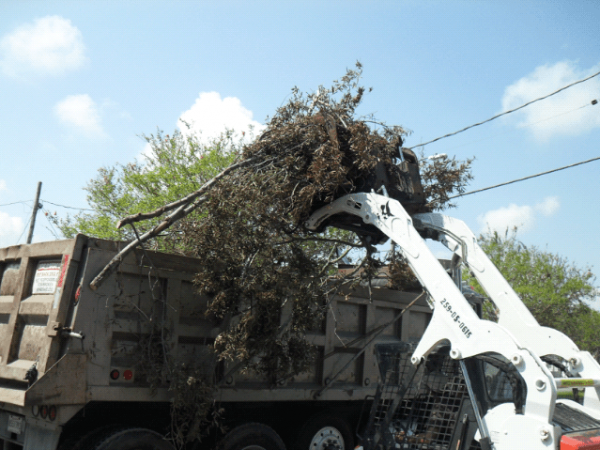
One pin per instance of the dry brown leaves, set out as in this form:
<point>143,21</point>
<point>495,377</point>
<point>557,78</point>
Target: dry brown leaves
<point>258,258</point>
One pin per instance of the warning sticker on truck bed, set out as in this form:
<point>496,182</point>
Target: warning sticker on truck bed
<point>15,424</point>
<point>46,277</point>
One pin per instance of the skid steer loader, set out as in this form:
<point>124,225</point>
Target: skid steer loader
<point>468,383</point>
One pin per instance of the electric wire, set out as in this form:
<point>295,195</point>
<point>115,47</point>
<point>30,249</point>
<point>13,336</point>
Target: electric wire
<point>48,215</point>
<point>529,124</point>
<point>508,112</point>
<point>525,178</point>
<point>16,203</point>
<point>68,207</point>
<point>24,229</point>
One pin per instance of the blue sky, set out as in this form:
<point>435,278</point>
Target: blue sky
<point>81,81</point>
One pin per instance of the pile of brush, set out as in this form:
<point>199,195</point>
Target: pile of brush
<point>257,255</point>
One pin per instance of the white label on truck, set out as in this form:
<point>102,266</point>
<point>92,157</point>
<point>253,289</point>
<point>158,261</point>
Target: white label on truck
<point>15,424</point>
<point>46,277</point>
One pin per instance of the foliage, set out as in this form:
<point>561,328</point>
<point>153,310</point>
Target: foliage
<point>442,177</point>
<point>557,292</point>
<point>194,412</point>
<point>259,256</point>
<point>249,230</point>
<point>260,264</point>
<point>174,166</point>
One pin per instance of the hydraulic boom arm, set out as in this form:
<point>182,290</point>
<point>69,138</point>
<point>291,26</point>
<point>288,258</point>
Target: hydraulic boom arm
<point>454,320</point>
<point>513,315</point>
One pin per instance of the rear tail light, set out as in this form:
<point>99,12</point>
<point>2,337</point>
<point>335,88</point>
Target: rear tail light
<point>44,411</point>
<point>52,412</point>
<point>122,374</point>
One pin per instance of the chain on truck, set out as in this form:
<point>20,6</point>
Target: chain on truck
<point>432,376</point>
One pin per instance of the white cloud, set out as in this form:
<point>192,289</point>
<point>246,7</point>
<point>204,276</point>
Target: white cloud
<point>80,112</point>
<point>211,116</point>
<point>50,45</point>
<point>549,206</point>
<point>559,114</point>
<point>10,229</point>
<point>146,152</point>
<point>523,217</point>
<point>2,185</point>
<point>511,216</point>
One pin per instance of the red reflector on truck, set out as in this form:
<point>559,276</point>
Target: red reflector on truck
<point>52,412</point>
<point>584,440</point>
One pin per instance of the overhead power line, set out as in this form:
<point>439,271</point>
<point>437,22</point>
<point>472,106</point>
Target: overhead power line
<point>16,203</point>
<point>510,111</point>
<point>68,207</point>
<point>24,230</point>
<point>526,178</point>
<point>529,124</point>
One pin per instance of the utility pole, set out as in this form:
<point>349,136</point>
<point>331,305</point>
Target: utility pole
<point>36,206</point>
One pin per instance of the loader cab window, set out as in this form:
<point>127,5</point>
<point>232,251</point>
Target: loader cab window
<point>497,384</point>
<point>502,382</point>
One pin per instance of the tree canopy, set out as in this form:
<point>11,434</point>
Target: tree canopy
<point>557,292</point>
<point>173,166</point>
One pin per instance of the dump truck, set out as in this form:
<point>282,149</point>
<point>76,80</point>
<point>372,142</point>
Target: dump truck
<point>74,370</point>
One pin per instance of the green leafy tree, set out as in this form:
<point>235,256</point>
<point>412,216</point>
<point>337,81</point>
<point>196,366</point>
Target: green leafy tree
<point>174,166</point>
<point>557,292</point>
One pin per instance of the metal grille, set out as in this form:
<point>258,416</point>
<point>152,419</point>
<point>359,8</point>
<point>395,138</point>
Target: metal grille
<point>415,408</point>
<point>571,419</point>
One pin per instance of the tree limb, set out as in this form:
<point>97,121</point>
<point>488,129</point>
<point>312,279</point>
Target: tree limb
<point>188,198</point>
<point>182,211</point>
<point>318,239</point>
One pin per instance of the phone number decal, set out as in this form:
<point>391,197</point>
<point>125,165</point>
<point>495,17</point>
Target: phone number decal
<point>461,325</point>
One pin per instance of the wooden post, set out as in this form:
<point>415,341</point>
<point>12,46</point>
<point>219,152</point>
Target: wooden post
<point>36,206</point>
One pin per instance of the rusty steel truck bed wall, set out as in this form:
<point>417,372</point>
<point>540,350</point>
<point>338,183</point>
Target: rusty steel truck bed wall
<point>64,346</point>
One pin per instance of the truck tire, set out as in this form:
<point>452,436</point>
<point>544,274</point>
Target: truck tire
<point>325,431</point>
<point>252,436</point>
<point>78,440</point>
<point>129,439</point>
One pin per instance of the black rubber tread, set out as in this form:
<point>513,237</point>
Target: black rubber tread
<point>252,434</point>
<point>129,439</point>
<point>81,441</point>
<point>319,421</point>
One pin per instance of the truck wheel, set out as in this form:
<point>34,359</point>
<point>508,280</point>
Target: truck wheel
<point>83,440</point>
<point>130,439</point>
<point>325,432</point>
<point>252,436</point>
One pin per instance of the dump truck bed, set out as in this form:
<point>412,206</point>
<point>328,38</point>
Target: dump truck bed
<point>63,345</point>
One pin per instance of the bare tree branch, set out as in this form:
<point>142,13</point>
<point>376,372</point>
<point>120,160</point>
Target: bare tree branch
<point>188,198</point>
<point>182,211</point>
